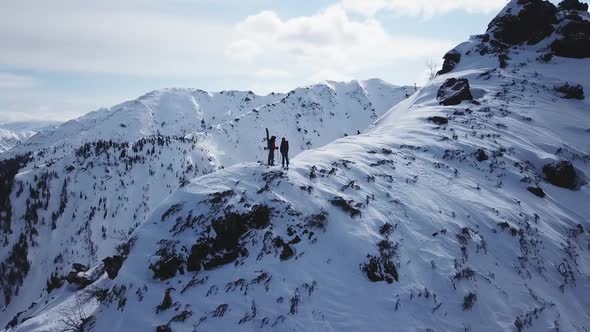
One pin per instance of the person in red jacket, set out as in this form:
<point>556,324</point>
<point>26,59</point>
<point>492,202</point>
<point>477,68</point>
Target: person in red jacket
<point>285,152</point>
<point>271,151</point>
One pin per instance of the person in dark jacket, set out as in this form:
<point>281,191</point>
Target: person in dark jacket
<point>271,150</point>
<point>285,152</point>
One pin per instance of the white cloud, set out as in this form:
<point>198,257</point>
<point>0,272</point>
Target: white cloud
<point>327,45</point>
<point>246,50</point>
<point>13,81</point>
<point>105,37</point>
<point>423,8</point>
<point>272,73</point>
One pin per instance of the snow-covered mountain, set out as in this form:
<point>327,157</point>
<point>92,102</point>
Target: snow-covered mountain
<point>76,192</point>
<point>14,133</point>
<point>8,139</point>
<point>463,208</point>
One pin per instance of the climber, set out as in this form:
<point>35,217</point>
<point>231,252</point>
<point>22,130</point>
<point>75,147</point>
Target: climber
<point>285,152</point>
<point>271,150</point>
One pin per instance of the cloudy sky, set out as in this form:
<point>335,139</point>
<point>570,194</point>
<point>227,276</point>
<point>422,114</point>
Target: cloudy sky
<point>62,58</point>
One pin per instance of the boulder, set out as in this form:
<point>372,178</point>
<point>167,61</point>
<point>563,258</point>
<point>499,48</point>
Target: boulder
<point>561,174</point>
<point>481,155</point>
<point>439,120</point>
<point>112,265</point>
<point>572,5</point>
<point>163,328</point>
<point>166,267</point>
<point>533,22</point>
<point>570,91</point>
<point>537,191</point>
<point>452,58</point>
<point>453,91</point>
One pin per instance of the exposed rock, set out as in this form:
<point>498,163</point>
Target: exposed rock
<point>54,282</point>
<point>481,155</point>
<point>112,265</point>
<point>287,252</point>
<point>533,23</point>
<point>198,253</point>
<point>503,60</point>
<point>166,267</point>
<point>561,174</point>
<point>163,328</point>
<point>166,301</point>
<point>452,58</point>
<point>572,5</point>
<point>453,91</point>
<point>380,269</point>
<point>225,248</point>
<point>538,191</point>
<point>79,267</point>
<point>439,120</point>
<point>570,91</point>
<point>79,279</point>
<point>346,206</point>
<point>575,40</point>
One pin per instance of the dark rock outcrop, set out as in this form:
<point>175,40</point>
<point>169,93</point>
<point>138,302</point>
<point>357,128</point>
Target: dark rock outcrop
<point>537,191</point>
<point>225,248</point>
<point>561,174</point>
<point>112,265</point>
<point>533,23</point>
<point>286,252</point>
<point>453,91</point>
<point>79,279</point>
<point>452,58</point>
<point>481,155</point>
<point>163,328</point>
<point>575,39</point>
<point>439,120</point>
<point>79,267</point>
<point>166,267</point>
<point>570,91</point>
<point>380,269</point>
<point>572,5</point>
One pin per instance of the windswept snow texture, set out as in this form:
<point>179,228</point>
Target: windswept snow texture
<point>90,182</point>
<point>430,220</point>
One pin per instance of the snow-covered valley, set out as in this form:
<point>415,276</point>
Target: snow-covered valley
<point>462,208</point>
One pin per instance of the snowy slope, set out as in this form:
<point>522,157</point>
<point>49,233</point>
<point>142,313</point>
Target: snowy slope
<point>79,190</point>
<point>8,139</point>
<point>13,133</point>
<point>416,224</point>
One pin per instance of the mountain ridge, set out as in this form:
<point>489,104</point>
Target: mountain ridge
<point>461,208</point>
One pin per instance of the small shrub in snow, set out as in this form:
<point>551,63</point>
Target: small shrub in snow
<point>319,221</point>
<point>386,229</point>
<point>346,206</point>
